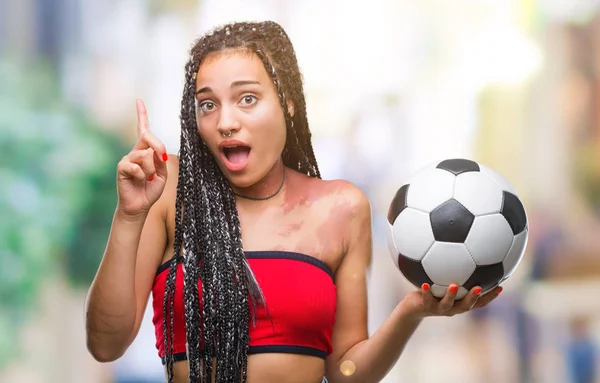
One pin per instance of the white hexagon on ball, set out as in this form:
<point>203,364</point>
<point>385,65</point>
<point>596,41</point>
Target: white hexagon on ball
<point>499,179</point>
<point>489,239</point>
<point>412,234</point>
<point>430,188</point>
<point>447,263</point>
<point>478,193</point>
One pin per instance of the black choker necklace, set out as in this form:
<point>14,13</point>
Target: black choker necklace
<point>267,197</point>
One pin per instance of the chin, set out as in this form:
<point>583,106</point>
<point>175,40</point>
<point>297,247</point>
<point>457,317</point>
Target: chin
<point>239,179</point>
<point>241,182</point>
<point>242,175</point>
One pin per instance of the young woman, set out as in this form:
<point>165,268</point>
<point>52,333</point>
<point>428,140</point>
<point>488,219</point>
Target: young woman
<point>257,267</point>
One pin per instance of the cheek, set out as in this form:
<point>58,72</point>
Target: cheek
<point>272,127</point>
<point>276,138</point>
<point>207,126</point>
<point>281,138</point>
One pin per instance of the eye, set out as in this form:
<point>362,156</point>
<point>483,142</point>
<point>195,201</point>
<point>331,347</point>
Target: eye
<point>248,100</point>
<point>206,106</point>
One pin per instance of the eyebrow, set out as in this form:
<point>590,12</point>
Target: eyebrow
<point>234,84</point>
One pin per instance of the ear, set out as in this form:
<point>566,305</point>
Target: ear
<point>290,107</point>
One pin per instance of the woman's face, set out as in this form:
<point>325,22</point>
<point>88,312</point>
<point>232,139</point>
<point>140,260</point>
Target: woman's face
<point>239,116</point>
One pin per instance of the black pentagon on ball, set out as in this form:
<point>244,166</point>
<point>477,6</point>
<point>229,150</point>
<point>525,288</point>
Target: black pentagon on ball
<point>457,166</point>
<point>451,222</point>
<point>514,212</point>
<point>413,271</point>
<point>398,204</point>
<point>487,277</point>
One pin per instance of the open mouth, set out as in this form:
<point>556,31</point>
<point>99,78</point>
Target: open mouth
<point>236,154</point>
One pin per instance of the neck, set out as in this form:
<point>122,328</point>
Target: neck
<point>271,186</point>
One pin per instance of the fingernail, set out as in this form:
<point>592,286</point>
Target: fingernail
<point>453,289</point>
<point>425,287</point>
<point>477,290</point>
<point>151,178</point>
<point>499,290</point>
<point>165,157</point>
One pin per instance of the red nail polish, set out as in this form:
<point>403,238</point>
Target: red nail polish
<point>151,178</point>
<point>425,287</point>
<point>477,290</point>
<point>165,157</point>
<point>453,289</point>
<point>499,290</point>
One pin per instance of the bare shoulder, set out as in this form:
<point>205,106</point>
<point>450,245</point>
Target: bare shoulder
<point>338,199</point>
<point>344,192</point>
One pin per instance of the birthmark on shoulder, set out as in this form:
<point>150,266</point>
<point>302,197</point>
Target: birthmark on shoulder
<point>334,227</point>
<point>290,228</point>
<point>301,193</point>
<point>293,200</point>
<point>305,192</point>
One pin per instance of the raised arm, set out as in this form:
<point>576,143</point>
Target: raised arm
<point>119,293</point>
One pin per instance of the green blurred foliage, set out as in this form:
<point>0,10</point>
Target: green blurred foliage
<point>57,172</point>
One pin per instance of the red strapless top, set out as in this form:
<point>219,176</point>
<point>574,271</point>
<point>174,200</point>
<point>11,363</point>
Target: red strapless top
<point>301,299</point>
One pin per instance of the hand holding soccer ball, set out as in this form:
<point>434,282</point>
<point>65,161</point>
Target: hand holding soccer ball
<point>422,303</point>
<point>453,227</point>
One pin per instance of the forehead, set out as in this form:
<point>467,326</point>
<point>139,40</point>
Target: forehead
<point>226,67</point>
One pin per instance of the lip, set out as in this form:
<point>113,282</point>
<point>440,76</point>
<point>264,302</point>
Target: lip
<point>230,165</point>
<point>231,143</point>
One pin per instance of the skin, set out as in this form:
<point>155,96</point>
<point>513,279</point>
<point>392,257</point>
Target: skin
<point>329,220</point>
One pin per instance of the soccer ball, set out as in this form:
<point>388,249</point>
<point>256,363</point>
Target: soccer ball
<point>457,221</point>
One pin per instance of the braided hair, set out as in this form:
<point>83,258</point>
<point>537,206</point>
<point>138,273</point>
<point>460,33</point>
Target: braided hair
<point>207,228</point>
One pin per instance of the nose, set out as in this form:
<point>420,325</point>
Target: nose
<point>228,121</point>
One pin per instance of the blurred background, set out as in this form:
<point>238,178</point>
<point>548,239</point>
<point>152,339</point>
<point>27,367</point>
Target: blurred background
<point>391,86</point>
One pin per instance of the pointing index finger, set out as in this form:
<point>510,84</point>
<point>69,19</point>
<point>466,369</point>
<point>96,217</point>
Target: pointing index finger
<point>142,122</point>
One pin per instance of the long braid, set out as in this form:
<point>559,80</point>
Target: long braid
<point>168,304</point>
<point>207,228</point>
<point>193,244</point>
<point>305,139</point>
